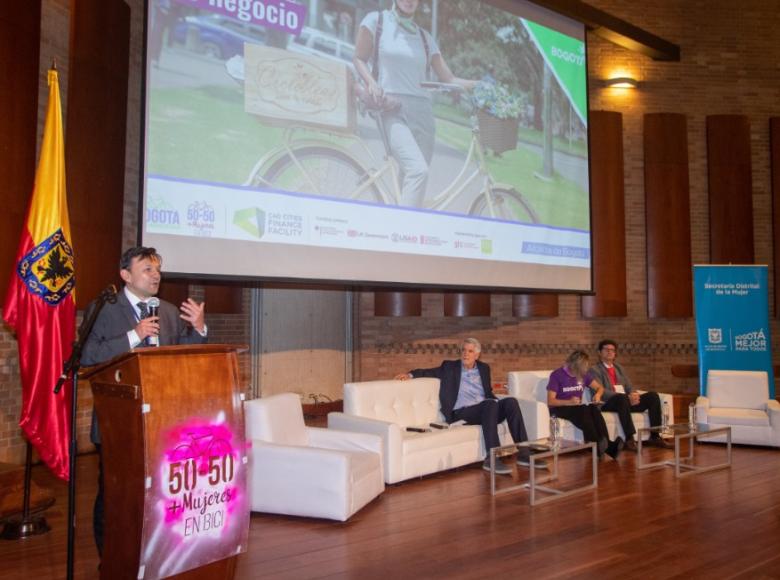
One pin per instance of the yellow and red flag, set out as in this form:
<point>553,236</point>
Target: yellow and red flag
<point>40,304</point>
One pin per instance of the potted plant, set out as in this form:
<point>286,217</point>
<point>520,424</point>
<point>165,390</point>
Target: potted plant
<point>498,114</point>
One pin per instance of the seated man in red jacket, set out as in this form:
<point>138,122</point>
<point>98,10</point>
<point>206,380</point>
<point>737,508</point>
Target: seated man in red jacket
<point>610,374</point>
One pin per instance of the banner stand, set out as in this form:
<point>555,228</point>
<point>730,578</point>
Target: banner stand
<point>732,320</point>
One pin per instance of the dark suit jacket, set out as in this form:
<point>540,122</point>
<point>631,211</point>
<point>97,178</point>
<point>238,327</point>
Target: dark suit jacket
<point>109,335</point>
<point>599,372</point>
<point>449,376</point>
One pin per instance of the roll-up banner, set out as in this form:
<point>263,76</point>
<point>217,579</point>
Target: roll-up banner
<point>732,320</point>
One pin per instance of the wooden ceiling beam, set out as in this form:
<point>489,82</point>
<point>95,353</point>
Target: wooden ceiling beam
<point>614,29</point>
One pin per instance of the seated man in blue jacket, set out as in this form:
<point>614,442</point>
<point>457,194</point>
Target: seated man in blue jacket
<point>466,394</point>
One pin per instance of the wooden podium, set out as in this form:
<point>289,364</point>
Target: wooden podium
<point>174,462</point>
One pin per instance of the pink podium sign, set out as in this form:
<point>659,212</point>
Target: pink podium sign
<point>197,510</point>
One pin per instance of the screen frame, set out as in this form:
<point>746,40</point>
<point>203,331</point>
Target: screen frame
<point>511,6</point>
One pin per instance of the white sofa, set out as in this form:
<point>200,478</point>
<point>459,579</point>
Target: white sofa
<point>740,399</point>
<point>386,408</point>
<point>306,471</point>
<point>530,390</point>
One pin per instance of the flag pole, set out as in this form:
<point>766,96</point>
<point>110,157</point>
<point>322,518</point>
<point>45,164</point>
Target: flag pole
<point>27,525</point>
<point>42,289</point>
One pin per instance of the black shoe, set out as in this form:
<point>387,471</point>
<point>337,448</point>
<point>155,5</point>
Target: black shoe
<point>659,442</point>
<point>501,467</point>
<point>615,447</point>
<point>601,445</point>
<point>523,459</point>
<point>630,445</point>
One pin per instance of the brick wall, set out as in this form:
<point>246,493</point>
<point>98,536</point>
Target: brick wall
<point>729,64</point>
<point>222,328</point>
<point>54,46</point>
<point>11,445</point>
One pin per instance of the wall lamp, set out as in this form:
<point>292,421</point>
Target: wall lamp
<point>621,83</point>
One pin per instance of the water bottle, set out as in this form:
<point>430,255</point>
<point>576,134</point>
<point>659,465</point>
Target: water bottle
<point>555,434</point>
<point>665,419</point>
<point>692,416</point>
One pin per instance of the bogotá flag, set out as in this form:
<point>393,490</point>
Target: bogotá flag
<point>40,304</point>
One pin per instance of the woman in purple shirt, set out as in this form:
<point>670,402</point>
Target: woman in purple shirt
<point>564,398</point>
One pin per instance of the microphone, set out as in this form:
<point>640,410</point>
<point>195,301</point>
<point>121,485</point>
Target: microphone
<point>153,305</point>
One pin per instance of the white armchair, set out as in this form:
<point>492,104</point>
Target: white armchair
<point>530,390</point>
<point>306,471</point>
<point>740,399</point>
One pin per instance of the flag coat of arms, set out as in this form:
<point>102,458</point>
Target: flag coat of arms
<point>40,304</point>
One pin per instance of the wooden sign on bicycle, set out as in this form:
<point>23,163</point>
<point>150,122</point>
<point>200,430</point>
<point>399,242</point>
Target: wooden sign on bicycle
<point>284,87</point>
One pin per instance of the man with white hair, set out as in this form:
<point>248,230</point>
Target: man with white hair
<point>466,394</point>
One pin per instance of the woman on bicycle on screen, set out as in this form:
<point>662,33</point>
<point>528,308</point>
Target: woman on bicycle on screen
<point>393,56</point>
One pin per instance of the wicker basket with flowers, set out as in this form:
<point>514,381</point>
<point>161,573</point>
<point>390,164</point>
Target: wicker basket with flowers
<point>498,113</point>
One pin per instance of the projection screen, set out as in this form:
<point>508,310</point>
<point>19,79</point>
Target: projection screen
<point>282,141</point>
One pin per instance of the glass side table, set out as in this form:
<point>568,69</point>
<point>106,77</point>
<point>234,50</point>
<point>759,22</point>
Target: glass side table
<point>684,466</point>
<point>542,449</point>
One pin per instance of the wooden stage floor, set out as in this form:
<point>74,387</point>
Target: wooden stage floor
<point>722,524</point>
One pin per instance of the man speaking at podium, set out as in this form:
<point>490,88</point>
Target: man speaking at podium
<point>128,323</point>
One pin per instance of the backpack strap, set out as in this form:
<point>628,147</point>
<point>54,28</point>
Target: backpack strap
<point>427,53</point>
<point>377,38</point>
